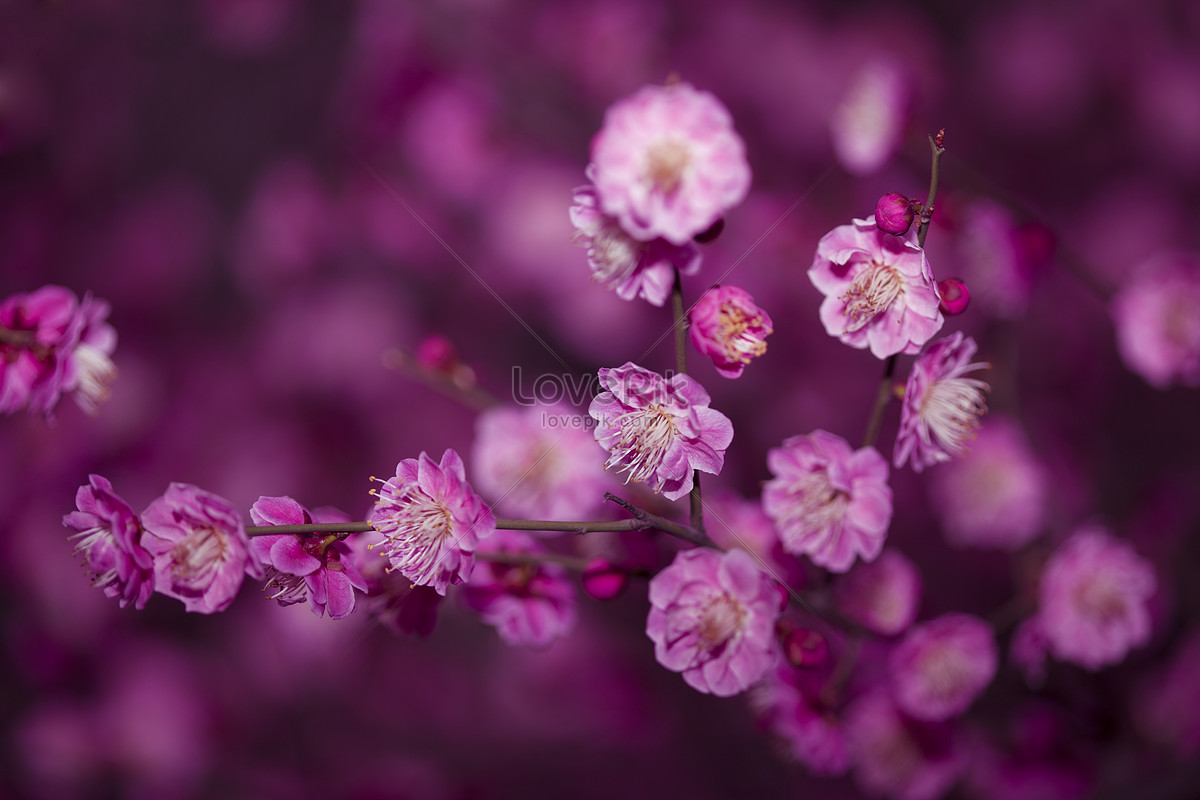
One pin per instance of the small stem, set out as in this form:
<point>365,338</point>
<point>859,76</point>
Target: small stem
<point>882,397</point>
<point>665,525</point>
<point>469,395</point>
<point>694,498</point>
<point>937,148</point>
<point>309,529</point>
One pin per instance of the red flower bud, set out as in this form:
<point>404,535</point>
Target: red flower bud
<point>602,580</point>
<point>955,296</point>
<point>804,648</point>
<point>894,213</point>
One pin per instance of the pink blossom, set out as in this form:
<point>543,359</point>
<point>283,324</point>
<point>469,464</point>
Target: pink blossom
<point>942,407</point>
<point>538,461</point>
<point>788,703</point>
<point>306,566</point>
<point>995,496</point>
<point>729,328</point>
<point>528,604</point>
<point>109,541</point>
<point>1093,599</point>
<point>897,756</point>
<point>941,666</point>
<point>1027,651</point>
<point>883,596</point>
<point>200,548</point>
<point>712,618</point>
<point>431,520</point>
<point>829,502</point>
<point>87,365</point>
<point>659,430</point>
<point>996,263</point>
<point>868,123</point>
<point>668,163</point>
<point>879,289</point>
<point>1157,315</point>
<point>619,262</point>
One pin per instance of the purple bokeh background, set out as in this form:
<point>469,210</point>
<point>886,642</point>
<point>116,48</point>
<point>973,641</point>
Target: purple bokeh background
<point>274,193</point>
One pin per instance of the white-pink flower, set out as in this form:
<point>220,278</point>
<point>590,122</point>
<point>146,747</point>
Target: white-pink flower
<point>942,406</point>
<point>619,262</point>
<point>431,520</point>
<point>1094,599</point>
<point>668,163</point>
<point>879,289</point>
<point>727,326</point>
<point>868,123</point>
<point>883,595</point>
<point>828,501</point>
<point>712,618</point>
<point>1157,314</point>
<point>657,430</point>
<point>942,665</point>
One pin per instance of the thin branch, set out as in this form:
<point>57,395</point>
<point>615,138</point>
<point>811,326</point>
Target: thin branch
<point>684,532</point>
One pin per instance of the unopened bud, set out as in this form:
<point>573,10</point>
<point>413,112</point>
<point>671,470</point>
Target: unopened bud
<point>711,233</point>
<point>894,213</point>
<point>805,648</point>
<point>602,580</point>
<point>955,296</point>
<point>437,353</point>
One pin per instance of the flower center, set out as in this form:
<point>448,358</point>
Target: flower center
<point>96,371</point>
<point>819,506</point>
<point>195,557</point>
<point>613,255</point>
<point>646,435</point>
<point>946,671</point>
<point>741,334</point>
<point>873,290</point>
<point>415,530</point>
<point>1100,598</point>
<point>719,621</point>
<point>951,410</point>
<point>666,161</point>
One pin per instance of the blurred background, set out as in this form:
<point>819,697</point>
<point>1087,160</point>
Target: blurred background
<point>274,194</point>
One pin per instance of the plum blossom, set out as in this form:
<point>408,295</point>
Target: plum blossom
<point>942,665</point>
<point>668,163</point>
<point>200,548</point>
<point>829,502</point>
<point>52,344</point>
<point>868,123</point>
<point>108,539</point>
<point>879,289</point>
<point>712,618</point>
<point>528,604</point>
<point>538,461</point>
<point>431,520</point>
<point>729,328</point>
<point>882,596</point>
<point>659,430</point>
<point>313,567</point>
<point>1093,599</point>
<point>942,406</point>
<point>897,756</point>
<point>1157,315</point>
<point>995,496</point>
<point>619,262</point>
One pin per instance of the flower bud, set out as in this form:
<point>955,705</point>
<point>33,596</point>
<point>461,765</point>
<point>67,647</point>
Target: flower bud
<point>802,647</point>
<point>955,296</point>
<point>603,580</point>
<point>894,213</point>
<point>437,353</point>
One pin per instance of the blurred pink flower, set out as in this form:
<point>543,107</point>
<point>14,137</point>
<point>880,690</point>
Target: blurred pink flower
<point>729,328</point>
<point>829,502</point>
<point>712,618</point>
<point>868,123</point>
<point>87,363</point>
<point>619,262</point>
<point>995,496</point>
<point>883,595</point>
<point>538,462</point>
<point>431,520</point>
<point>897,756</point>
<point>787,701</point>
<point>1093,599</point>
<point>659,430</point>
<point>527,604</point>
<point>109,541</point>
<point>941,407</point>
<point>306,566</point>
<point>995,263</point>
<point>1157,315</point>
<point>879,289</point>
<point>200,548</point>
<point>942,665</point>
<point>668,163</point>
